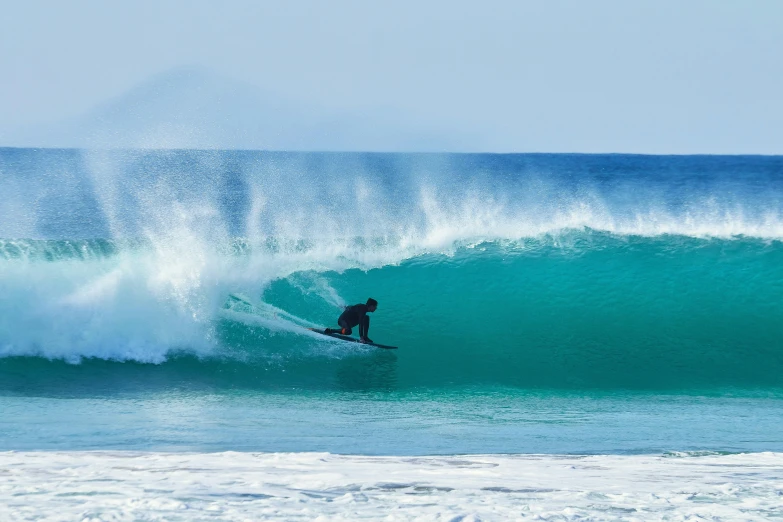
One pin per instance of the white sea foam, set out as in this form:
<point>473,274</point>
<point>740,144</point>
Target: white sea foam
<point>286,486</point>
<point>141,304</point>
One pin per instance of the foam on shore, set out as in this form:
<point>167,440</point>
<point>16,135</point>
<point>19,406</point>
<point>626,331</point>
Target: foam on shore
<point>287,486</point>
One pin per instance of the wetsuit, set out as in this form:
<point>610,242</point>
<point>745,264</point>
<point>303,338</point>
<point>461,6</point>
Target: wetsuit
<point>353,316</point>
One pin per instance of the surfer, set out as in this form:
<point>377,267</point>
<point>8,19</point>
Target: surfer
<point>356,315</point>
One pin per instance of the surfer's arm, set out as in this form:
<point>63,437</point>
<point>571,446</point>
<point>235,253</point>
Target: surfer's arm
<point>362,333</point>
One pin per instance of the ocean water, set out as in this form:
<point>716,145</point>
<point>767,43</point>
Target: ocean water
<point>614,313</point>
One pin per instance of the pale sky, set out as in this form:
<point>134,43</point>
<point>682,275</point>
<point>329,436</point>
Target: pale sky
<point>664,76</point>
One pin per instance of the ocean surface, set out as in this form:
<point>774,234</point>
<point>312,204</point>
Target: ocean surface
<point>619,316</point>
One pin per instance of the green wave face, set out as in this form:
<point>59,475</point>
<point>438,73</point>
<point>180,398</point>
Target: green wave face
<point>628,313</point>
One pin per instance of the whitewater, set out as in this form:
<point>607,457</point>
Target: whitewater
<point>600,320</point>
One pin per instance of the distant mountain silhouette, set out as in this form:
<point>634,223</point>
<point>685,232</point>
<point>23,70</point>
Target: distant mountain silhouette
<point>195,108</point>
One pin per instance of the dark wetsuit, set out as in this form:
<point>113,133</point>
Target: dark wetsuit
<point>353,316</point>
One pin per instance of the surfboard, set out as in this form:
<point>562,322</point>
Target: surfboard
<point>350,339</point>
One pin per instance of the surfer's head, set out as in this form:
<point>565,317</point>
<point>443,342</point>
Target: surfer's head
<point>372,304</point>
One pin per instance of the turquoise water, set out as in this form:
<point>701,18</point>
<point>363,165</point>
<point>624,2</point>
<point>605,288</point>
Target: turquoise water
<point>466,421</point>
<point>541,303</point>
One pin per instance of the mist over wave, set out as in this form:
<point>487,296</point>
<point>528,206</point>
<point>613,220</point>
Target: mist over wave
<point>425,201</point>
<point>522,270</point>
